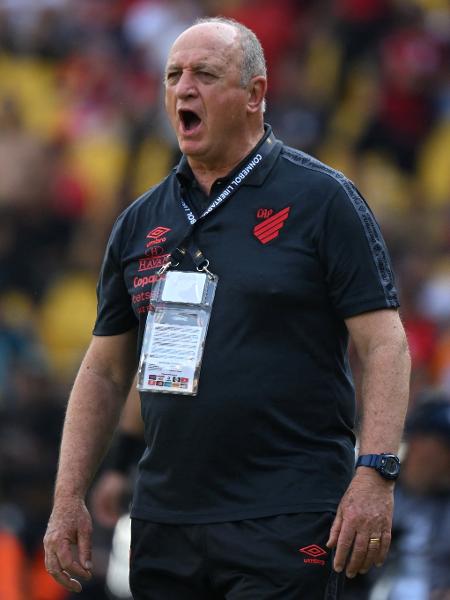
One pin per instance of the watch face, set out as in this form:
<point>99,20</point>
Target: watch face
<point>391,466</point>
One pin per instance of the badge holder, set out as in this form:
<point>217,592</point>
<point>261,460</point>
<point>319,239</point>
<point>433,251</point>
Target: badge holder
<point>175,332</point>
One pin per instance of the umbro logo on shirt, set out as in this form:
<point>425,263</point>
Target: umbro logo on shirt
<point>156,236</point>
<point>269,229</point>
<point>157,232</point>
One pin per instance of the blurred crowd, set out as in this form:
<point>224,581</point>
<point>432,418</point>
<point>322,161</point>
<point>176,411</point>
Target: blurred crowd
<point>363,85</point>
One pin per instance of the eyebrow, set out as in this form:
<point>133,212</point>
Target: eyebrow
<point>204,65</point>
<point>196,67</point>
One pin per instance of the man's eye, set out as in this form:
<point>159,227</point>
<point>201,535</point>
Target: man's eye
<point>206,75</point>
<point>172,76</point>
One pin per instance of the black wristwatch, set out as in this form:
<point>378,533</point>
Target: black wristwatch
<point>387,465</point>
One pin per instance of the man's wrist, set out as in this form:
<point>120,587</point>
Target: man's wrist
<point>387,465</point>
<point>65,495</point>
<point>371,477</point>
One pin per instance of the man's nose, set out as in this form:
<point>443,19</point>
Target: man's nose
<point>185,86</point>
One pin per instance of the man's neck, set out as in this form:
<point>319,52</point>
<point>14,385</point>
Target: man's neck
<point>207,173</point>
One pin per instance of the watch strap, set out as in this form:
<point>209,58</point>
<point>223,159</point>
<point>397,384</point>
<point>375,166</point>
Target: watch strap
<point>369,460</point>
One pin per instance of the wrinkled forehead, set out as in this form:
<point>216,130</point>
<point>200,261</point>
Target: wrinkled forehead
<point>207,43</point>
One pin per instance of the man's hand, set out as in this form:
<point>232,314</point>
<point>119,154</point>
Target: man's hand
<point>67,543</point>
<point>364,513</point>
<point>107,497</point>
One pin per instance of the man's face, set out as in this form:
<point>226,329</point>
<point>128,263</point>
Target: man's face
<point>204,99</point>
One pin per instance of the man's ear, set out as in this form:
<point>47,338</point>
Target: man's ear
<point>257,91</point>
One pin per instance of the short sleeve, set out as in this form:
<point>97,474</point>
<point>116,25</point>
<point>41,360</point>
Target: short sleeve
<point>114,312</point>
<point>354,255</point>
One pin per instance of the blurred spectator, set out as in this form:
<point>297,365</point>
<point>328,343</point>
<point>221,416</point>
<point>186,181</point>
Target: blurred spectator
<point>24,167</point>
<point>441,360</point>
<point>19,345</point>
<point>278,26</point>
<point>29,423</point>
<point>297,118</point>
<point>40,202</point>
<point>32,26</point>
<point>91,88</point>
<point>411,64</point>
<point>418,567</point>
<point>422,331</point>
<point>360,25</point>
<point>152,26</point>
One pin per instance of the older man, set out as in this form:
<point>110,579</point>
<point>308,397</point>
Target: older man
<point>247,487</point>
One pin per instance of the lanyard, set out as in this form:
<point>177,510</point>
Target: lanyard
<point>232,187</point>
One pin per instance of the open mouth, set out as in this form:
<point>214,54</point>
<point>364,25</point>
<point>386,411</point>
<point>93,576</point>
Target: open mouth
<point>189,119</point>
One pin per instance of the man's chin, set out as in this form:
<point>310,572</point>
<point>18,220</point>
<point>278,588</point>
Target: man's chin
<point>191,147</point>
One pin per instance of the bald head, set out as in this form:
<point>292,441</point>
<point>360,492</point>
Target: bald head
<point>217,39</point>
<point>222,29</point>
<point>238,41</point>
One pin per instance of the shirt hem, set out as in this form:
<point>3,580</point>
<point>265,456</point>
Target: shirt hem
<point>178,518</point>
<point>371,305</point>
<point>99,332</point>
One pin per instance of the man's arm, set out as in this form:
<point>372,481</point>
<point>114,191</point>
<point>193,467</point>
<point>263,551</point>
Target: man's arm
<point>365,510</point>
<point>93,411</point>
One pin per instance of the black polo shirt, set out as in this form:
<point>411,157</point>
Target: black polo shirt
<point>297,251</point>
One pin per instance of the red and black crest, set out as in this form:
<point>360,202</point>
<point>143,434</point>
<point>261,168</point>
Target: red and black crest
<point>270,227</point>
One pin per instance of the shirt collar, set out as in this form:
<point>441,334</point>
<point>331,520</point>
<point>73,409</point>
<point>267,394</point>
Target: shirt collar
<point>185,175</point>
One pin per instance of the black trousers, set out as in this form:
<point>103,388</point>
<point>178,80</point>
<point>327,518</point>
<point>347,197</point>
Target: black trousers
<point>273,558</point>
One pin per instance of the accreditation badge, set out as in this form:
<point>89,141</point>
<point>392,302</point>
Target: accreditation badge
<point>175,332</point>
